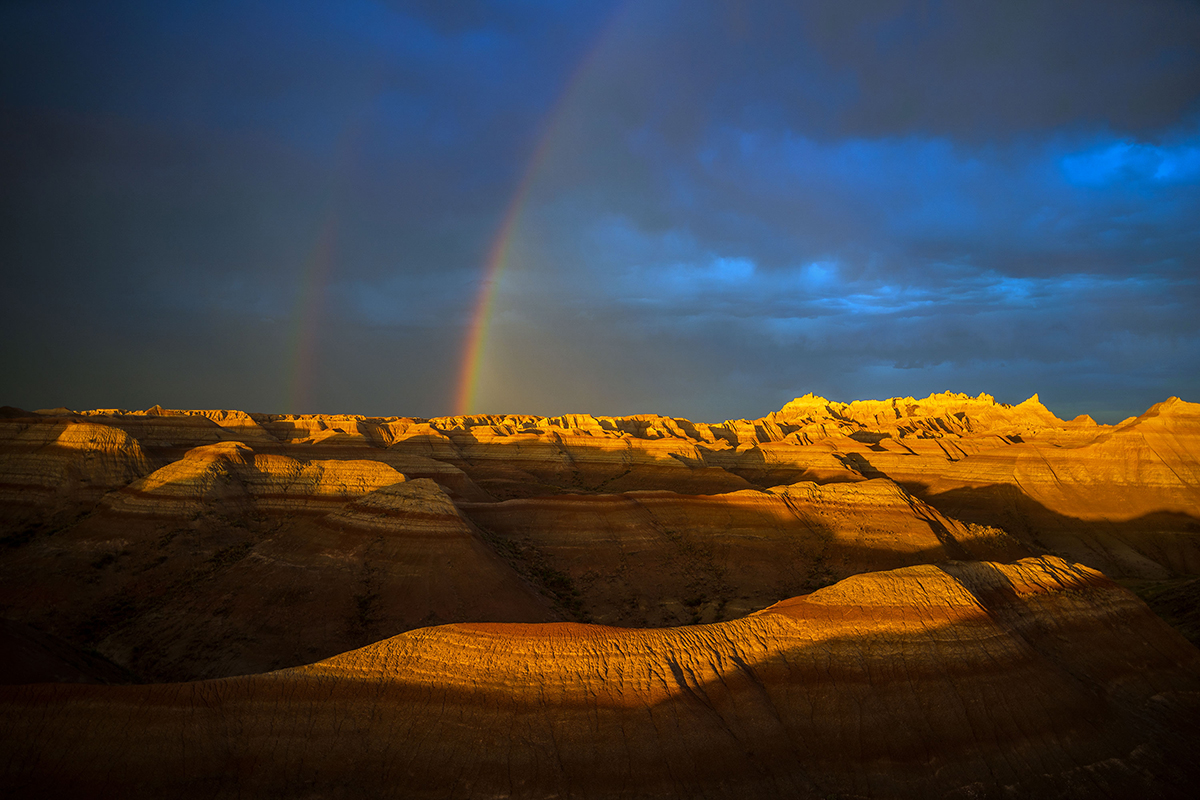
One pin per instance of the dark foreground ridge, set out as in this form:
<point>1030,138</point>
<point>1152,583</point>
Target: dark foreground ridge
<point>967,679</point>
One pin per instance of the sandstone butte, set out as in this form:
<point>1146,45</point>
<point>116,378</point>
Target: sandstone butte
<point>188,545</point>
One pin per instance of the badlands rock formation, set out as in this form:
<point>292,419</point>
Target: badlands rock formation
<point>200,544</point>
<point>878,599</point>
<point>31,656</point>
<point>226,561</point>
<point>1036,679</point>
<point>658,558</point>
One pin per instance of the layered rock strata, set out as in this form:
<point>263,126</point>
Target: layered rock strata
<point>660,558</point>
<point>207,566</point>
<point>1036,679</point>
<point>181,544</point>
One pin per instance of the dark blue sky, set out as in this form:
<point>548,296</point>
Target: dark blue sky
<point>289,206</point>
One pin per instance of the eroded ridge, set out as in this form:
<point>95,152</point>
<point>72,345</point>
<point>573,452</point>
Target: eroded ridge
<point>187,544</point>
<point>1039,678</point>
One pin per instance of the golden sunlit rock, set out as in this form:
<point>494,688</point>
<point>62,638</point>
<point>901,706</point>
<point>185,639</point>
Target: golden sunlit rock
<point>881,598</point>
<point>1041,677</point>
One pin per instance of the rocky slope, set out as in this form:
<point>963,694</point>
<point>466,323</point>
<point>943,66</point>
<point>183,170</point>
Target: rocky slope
<point>31,656</point>
<point>1037,679</point>
<point>660,558</point>
<point>187,544</point>
<point>226,561</point>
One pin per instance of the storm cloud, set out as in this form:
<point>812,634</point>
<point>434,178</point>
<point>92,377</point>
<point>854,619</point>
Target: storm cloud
<point>716,206</point>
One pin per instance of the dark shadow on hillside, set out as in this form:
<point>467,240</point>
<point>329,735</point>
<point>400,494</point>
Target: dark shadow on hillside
<point>529,464</point>
<point>633,560</point>
<point>987,583</point>
<point>1176,601</point>
<point>721,720</point>
<point>870,437</point>
<point>753,466</point>
<point>34,656</point>
<point>1155,545</point>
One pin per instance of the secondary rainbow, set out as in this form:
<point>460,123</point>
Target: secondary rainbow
<point>308,313</point>
<point>314,282</point>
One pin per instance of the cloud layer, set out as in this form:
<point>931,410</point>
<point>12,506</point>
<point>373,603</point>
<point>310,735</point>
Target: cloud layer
<point>290,206</point>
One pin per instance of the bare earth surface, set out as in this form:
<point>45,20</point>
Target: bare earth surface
<point>1036,679</point>
<point>177,546</point>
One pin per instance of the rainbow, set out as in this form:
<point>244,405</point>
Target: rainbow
<point>481,316</point>
<point>308,312</point>
<point>322,256</point>
<point>499,254</point>
<point>317,266</point>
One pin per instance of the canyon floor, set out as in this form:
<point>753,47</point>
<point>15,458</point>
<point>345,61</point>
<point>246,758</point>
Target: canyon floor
<point>943,597</point>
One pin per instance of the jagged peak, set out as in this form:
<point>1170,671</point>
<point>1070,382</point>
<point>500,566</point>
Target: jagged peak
<point>1172,407</point>
<point>948,398</point>
<point>806,401</point>
<point>907,406</point>
<point>222,414</point>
